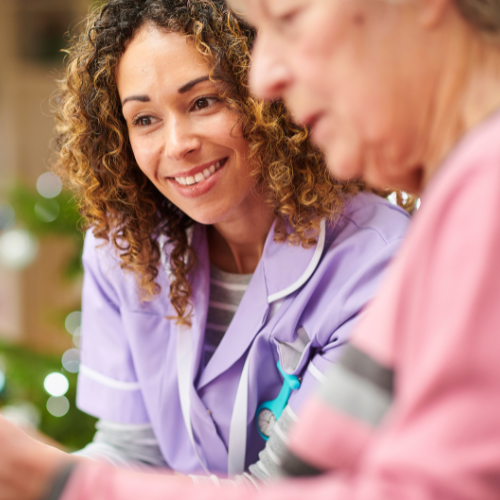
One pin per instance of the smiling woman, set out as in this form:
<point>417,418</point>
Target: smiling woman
<point>224,269</point>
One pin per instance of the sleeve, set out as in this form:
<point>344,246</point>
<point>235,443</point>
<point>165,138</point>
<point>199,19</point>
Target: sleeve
<point>270,458</point>
<point>107,383</point>
<point>100,482</point>
<point>442,435</point>
<point>126,446</point>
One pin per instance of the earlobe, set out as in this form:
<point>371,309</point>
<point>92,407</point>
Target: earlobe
<point>432,12</point>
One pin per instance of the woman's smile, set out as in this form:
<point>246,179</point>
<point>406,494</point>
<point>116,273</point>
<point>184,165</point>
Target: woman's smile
<point>199,180</point>
<point>199,174</point>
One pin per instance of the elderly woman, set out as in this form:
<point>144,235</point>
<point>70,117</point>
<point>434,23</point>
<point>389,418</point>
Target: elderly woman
<point>404,93</point>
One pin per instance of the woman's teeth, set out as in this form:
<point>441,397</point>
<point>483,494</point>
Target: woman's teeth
<point>200,176</point>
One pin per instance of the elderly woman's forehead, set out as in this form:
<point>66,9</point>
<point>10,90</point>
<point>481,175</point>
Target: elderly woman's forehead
<point>247,8</point>
<point>238,6</point>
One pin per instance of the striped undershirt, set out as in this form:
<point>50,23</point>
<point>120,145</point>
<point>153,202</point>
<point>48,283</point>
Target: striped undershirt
<point>226,292</point>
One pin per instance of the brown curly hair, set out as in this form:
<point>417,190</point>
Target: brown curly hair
<point>119,201</point>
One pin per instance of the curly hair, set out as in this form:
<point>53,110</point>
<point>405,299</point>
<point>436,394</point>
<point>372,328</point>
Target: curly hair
<point>118,201</point>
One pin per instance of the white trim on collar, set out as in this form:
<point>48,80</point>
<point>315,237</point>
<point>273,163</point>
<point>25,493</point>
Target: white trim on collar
<point>310,268</point>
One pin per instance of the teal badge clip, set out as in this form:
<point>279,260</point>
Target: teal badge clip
<point>270,411</point>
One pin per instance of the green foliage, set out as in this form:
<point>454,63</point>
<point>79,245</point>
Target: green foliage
<point>58,216</point>
<point>26,370</point>
<point>25,373</point>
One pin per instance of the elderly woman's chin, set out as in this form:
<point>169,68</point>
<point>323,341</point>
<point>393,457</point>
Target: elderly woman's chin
<point>343,164</point>
<point>349,158</point>
<point>342,149</point>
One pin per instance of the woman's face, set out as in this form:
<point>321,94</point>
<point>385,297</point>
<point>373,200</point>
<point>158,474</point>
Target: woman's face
<point>346,68</point>
<point>184,138</point>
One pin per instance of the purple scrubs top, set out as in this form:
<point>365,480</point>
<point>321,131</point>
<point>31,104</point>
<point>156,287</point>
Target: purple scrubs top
<point>299,308</point>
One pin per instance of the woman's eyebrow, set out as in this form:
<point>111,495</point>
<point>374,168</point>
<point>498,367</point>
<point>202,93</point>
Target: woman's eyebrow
<point>188,86</point>
<point>182,90</point>
<point>140,98</point>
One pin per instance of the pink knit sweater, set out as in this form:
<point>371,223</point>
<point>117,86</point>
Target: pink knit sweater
<point>412,412</point>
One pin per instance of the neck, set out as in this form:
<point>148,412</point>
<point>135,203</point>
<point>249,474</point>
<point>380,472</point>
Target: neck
<point>467,97</point>
<point>236,244</point>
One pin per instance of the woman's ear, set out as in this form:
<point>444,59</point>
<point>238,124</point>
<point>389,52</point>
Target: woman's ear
<point>433,12</point>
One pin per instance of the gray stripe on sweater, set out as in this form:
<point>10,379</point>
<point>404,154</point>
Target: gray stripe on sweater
<point>349,389</point>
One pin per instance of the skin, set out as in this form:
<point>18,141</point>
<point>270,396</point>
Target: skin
<point>28,466</point>
<point>384,111</point>
<point>177,123</point>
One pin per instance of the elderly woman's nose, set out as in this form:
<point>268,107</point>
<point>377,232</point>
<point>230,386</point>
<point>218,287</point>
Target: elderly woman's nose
<point>269,74</point>
<point>180,140</point>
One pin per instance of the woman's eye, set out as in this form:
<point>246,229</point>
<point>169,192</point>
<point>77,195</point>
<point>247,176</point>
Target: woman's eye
<point>203,103</point>
<point>288,17</point>
<point>143,121</point>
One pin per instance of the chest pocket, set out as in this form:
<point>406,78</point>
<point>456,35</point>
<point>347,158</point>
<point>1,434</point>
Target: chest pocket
<point>294,356</point>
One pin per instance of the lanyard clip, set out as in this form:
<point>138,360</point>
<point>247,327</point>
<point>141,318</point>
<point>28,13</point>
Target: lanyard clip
<point>270,411</point>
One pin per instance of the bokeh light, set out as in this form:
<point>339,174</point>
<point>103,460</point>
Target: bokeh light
<point>393,198</point>
<point>58,406</point>
<point>18,248</point>
<point>2,381</point>
<point>77,338</point>
<point>56,384</point>
<point>71,360</point>
<point>49,185</point>
<point>47,210</point>
<point>23,414</point>
<point>73,322</point>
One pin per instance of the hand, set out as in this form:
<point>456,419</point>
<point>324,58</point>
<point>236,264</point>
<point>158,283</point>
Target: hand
<point>27,466</point>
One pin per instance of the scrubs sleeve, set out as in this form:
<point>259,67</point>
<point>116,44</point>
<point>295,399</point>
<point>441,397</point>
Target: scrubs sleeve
<point>333,319</point>
<point>107,383</point>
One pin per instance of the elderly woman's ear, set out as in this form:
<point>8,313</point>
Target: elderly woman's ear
<point>434,12</point>
<point>482,15</point>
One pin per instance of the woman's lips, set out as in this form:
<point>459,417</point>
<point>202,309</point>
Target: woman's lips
<point>195,178</point>
<point>197,183</point>
<point>311,120</point>
<point>319,128</point>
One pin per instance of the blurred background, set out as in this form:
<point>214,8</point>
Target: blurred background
<point>40,244</point>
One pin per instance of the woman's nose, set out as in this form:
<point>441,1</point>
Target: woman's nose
<point>180,139</point>
<point>270,76</point>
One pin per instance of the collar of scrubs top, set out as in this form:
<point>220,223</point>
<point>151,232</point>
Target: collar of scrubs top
<point>273,280</point>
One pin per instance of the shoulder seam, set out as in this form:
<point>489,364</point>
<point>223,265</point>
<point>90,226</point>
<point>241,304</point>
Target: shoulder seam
<point>371,228</point>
